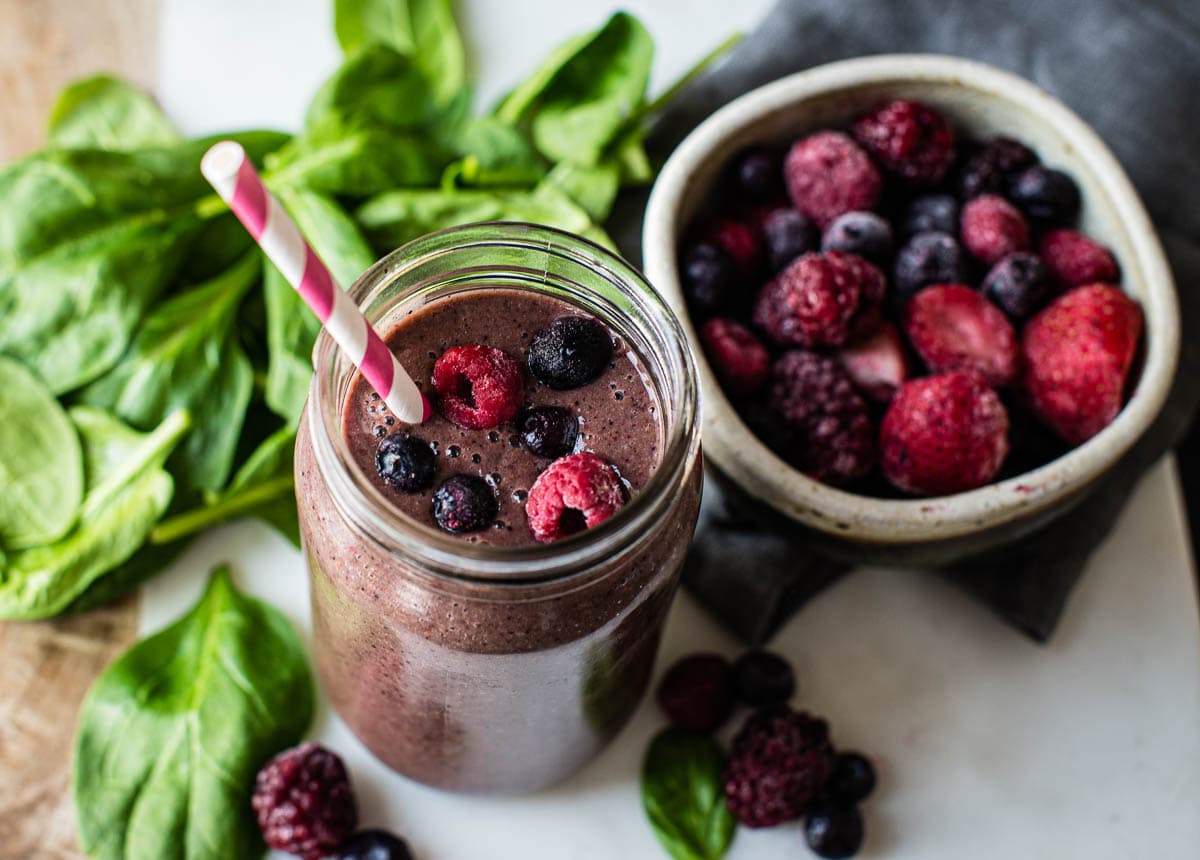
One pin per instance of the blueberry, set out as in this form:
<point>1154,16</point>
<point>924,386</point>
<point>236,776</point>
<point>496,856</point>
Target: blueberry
<point>833,831</point>
<point>708,274</point>
<point>1019,284</point>
<point>405,462</point>
<point>762,678</point>
<point>1045,195</point>
<point>549,431</point>
<point>928,258</point>
<point>787,235</point>
<point>572,352</point>
<point>931,212</point>
<point>373,845</point>
<point>464,503</point>
<point>862,233</point>
<point>755,176</point>
<point>988,170</point>
<point>852,779</point>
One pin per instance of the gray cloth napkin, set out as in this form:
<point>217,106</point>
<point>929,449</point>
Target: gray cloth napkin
<point>1131,70</point>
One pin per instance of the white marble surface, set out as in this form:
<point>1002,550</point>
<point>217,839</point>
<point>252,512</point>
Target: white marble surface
<point>991,747</point>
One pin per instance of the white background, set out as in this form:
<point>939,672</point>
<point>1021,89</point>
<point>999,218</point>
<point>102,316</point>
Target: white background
<point>990,746</point>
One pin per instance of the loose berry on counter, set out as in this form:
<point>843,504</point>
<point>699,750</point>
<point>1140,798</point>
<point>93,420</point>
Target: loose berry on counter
<point>755,177</point>
<point>833,831</point>
<point>820,300</point>
<point>709,278</point>
<point>549,431</point>
<point>464,503</point>
<point>374,845</point>
<point>304,803</point>
<point>1018,284</point>
<point>862,233</point>
<point>405,462</point>
<point>877,364</point>
<point>576,492</point>
<point>953,327</point>
<point>827,173</point>
<point>762,678</point>
<point>852,779</point>
<point>737,357</point>
<point>1073,259</point>
<point>943,434</point>
<point>930,212</point>
<point>928,258</point>
<point>572,352</point>
<point>911,140</point>
<point>787,234</point>
<point>988,170</point>
<point>1045,196</point>
<point>992,228</point>
<point>478,386</point>
<point>696,693</point>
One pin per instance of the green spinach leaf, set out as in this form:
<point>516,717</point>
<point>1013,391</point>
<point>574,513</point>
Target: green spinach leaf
<point>683,797</point>
<point>41,463</point>
<point>108,113</point>
<point>171,735</point>
<point>593,188</point>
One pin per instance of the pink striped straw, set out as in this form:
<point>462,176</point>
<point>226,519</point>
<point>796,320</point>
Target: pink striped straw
<point>230,172</point>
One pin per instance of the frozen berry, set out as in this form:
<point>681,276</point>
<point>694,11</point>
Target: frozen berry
<point>928,258</point>
<point>833,831</point>
<point>1072,259</point>
<point>572,352</point>
<point>827,174</point>
<point>464,503</point>
<point>988,170</point>
<point>708,275</point>
<point>943,434</point>
<point>304,803</point>
<point>697,692</point>
<point>862,233</point>
<point>755,176</point>
<point>1046,196</point>
<point>740,241</point>
<point>820,300</point>
<point>852,780</point>
<point>911,140</point>
<point>762,678</point>
<point>373,845</point>
<point>993,228</point>
<point>549,431</point>
<point>1018,284</point>
<point>405,462</point>
<point>938,212</point>
<point>877,364</point>
<point>787,234</point>
<point>736,355</point>
<point>834,441</point>
<point>778,762</point>
<point>576,492</point>
<point>953,327</point>
<point>479,386</point>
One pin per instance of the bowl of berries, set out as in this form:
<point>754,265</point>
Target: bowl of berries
<point>928,308</point>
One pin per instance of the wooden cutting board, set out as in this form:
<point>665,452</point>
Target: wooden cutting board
<point>45,668</point>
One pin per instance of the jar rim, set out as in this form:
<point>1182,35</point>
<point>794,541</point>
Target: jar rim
<point>367,510</point>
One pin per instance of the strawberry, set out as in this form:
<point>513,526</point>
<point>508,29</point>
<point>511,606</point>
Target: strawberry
<point>1077,354</point>
<point>1073,258</point>
<point>943,434</point>
<point>953,327</point>
<point>877,364</point>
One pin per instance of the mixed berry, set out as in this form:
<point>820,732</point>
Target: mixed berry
<point>902,297</point>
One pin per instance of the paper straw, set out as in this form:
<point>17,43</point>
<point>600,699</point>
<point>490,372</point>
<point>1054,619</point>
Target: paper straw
<point>230,172</point>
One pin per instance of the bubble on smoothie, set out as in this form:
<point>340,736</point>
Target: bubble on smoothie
<point>453,452</point>
<point>493,437</point>
<point>519,496</point>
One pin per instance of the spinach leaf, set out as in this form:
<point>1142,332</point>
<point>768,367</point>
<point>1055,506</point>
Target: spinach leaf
<point>41,463</point>
<point>378,86</point>
<point>492,154</point>
<point>172,733</point>
<point>593,188</point>
<point>126,491</point>
<point>108,113</point>
<point>145,564</point>
<point>186,355</point>
<point>291,327</point>
<point>424,30</point>
<point>683,797</point>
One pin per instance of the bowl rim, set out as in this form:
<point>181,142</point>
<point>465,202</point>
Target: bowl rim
<point>760,472</point>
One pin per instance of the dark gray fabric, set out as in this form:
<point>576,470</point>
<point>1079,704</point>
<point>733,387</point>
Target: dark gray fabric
<point>1131,70</point>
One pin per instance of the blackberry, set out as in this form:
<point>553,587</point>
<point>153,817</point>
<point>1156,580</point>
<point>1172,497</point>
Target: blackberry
<point>304,803</point>
<point>989,169</point>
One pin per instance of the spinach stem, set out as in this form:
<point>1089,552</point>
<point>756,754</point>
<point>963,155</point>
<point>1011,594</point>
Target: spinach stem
<point>199,519</point>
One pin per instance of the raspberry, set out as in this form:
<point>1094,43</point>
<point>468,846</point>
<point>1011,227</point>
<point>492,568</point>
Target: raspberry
<point>762,678</point>
<point>911,140</point>
<point>1078,353</point>
<point>1046,196</point>
<point>834,440</point>
<point>708,275</point>
<point>738,240</point>
<point>937,212</point>
<point>877,364</point>
<point>465,503</point>
<point>953,327</point>
<point>989,169</point>
<point>406,462</point>
<point>820,300</point>
<point>549,431</point>
<point>787,234</point>
<point>928,258</point>
<point>479,386</point>
<point>737,357</point>
<point>1018,284</point>
<point>697,692</point>
<point>827,174</point>
<point>992,228</point>
<point>304,802</point>
<point>778,762</point>
<point>754,176</point>
<point>862,233</point>
<point>1073,259</point>
<point>943,434</point>
<point>576,492</point>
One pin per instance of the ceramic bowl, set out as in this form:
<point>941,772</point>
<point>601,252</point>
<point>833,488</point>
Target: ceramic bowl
<point>982,101</point>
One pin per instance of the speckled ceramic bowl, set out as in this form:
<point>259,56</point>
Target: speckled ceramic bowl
<point>984,101</point>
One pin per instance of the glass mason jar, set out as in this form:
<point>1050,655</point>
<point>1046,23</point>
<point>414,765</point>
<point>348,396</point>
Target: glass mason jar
<point>476,667</point>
